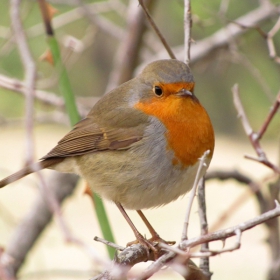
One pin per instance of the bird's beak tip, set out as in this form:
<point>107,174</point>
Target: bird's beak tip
<point>184,92</point>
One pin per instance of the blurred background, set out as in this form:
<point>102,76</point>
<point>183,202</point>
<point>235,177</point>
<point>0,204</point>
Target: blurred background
<point>94,38</point>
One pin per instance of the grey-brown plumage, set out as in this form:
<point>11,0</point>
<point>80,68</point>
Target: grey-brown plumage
<point>122,152</point>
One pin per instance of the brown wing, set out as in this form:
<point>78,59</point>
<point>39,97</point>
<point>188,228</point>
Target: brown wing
<point>87,137</point>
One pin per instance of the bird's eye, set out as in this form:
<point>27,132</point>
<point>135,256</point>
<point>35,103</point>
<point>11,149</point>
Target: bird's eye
<point>158,91</point>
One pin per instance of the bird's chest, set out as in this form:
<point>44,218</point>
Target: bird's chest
<point>161,179</point>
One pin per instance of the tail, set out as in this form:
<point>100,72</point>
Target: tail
<point>28,170</point>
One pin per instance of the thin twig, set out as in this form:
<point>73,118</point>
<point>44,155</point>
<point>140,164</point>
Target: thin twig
<point>253,136</point>
<point>228,232</point>
<point>224,7</point>
<point>127,54</point>
<point>76,14</point>
<point>270,116</point>
<point>192,194</point>
<point>223,36</point>
<point>159,34</point>
<point>156,266</point>
<point>137,253</point>
<point>109,243</point>
<point>30,76</point>
<point>37,218</point>
<point>45,96</point>
<point>205,253</point>
<point>270,42</point>
<point>187,28</point>
<point>204,261</point>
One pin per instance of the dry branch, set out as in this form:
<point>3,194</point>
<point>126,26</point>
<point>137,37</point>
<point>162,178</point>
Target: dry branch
<point>30,76</point>
<point>187,28</point>
<point>202,48</point>
<point>45,97</point>
<point>128,51</point>
<point>226,233</point>
<point>95,10</point>
<point>192,194</point>
<point>137,253</point>
<point>204,264</point>
<point>223,36</point>
<point>34,223</point>
<point>270,42</point>
<point>156,29</point>
<point>253,136</point>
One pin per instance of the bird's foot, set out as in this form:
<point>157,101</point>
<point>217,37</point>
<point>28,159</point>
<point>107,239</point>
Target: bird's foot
<point>150,244</point>
<point>157,239</point>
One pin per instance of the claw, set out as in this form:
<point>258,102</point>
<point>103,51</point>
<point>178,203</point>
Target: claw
<point>150,244</point>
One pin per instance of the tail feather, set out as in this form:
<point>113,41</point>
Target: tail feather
<point>28,170</point>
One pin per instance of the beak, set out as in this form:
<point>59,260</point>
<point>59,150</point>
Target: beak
<point>184,92</point>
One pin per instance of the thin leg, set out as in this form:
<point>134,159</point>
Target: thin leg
<point>155,235</point>
<point>137,234</point>
<point>148,225</point>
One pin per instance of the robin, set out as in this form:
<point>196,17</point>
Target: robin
<point>140,144</point>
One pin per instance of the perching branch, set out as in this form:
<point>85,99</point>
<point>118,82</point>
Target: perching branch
<point>175,256</point>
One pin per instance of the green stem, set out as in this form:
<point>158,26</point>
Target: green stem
<point>71,108</point>
<point>104,223</point>
<point>64,82</point>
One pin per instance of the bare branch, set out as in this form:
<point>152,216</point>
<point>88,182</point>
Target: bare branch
<point>193,193</point>
<point>30,76</point>
<point>39,216</point>
<point>270,116</point>
<point>270,42</point>
<point>187,28</point>
<point>75,14</point>
<point>127,55</point>
<point>210,253</point>
<point>19,86</point>
<point>254,138</point>
<point>204,261</point>
<point>154,26</point>
<point>137,253</point>
<point>226,233</point>
<point>222,37</point>
<point>109,243</point>
<point>156,266</point>
<point>44,96</point>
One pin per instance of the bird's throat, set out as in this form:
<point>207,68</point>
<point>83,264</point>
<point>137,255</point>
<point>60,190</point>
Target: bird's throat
<point>189,129</point>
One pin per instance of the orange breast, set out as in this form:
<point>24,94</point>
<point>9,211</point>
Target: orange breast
<point>189,129</point>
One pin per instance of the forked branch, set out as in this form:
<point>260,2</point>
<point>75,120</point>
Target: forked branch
<point>256,136</point>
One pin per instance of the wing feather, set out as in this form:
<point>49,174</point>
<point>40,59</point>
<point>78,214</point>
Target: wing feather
<point>88,137</point>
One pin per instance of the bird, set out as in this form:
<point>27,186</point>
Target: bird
<point>141,143</point>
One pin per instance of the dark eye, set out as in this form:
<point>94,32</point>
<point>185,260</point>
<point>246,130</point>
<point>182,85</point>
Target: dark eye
<point>158,91</point>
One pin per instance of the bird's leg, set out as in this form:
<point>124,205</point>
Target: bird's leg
<point>155,235</point>
<point>140,238</point>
